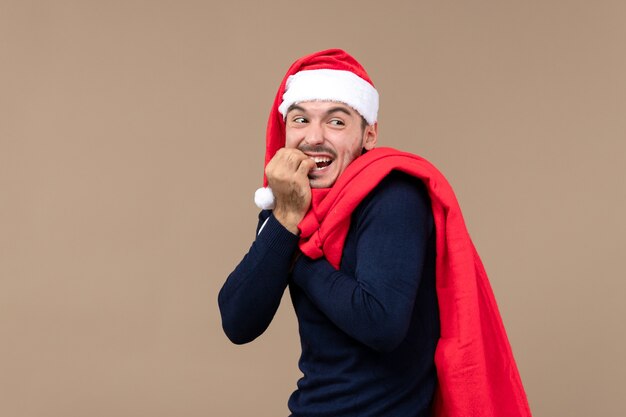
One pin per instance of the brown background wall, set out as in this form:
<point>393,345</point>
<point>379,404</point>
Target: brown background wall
<point>131,142</point>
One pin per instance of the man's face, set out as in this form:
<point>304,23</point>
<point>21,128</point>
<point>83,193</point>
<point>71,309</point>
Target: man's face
<point>329,132</point>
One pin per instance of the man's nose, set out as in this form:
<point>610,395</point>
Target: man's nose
<point>314,135</point>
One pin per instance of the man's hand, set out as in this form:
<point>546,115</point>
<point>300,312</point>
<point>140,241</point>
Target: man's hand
<point>287,176</point>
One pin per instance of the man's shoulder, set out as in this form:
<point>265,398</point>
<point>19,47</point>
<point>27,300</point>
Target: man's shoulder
<point>398,185</point>
<point>397,194</point>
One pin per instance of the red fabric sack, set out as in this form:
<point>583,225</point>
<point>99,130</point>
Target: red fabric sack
<point>475,366</point>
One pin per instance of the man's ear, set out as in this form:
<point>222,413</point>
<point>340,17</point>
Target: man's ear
<point>370,136</point>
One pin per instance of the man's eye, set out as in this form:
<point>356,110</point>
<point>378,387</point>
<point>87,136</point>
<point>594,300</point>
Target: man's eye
<point>299,120</point>
<point>336,122</point>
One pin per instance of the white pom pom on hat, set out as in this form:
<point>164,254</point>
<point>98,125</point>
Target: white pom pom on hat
<point>264,198</point>
<point>331,74</point>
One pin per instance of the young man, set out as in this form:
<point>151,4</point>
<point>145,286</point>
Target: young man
<point>372,246</point>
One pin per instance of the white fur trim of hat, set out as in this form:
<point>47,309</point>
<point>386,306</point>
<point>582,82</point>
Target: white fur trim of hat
<point>334,85</point>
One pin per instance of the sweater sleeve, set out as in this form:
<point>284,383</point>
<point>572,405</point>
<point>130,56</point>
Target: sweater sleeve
<point>251,294</point>
<point>374,306</point>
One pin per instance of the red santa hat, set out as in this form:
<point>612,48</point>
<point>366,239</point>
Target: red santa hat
<point>326,75</point>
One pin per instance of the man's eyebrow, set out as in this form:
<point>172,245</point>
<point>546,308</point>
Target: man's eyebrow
<point>328,112</point>
<point>295,107</point>
<point>338,108</point>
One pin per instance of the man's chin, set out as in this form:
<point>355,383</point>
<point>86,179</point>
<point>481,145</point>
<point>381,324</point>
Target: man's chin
<point>321,182</point>
<point>324,178</point>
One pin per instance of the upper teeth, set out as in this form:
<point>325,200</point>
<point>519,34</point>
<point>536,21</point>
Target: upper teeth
<point>319,159</point>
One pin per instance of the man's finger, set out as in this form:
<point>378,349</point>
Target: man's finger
<point>306,165</point>
<point>284,158</point>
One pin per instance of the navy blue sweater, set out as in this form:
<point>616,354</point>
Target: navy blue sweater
<point>368,331</point>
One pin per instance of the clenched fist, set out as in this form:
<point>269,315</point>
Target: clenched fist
<point>287,176</point>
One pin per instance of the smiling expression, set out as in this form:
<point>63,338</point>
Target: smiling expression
<point>330,133</point>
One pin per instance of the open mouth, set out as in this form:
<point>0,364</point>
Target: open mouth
<point>322,162</point>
